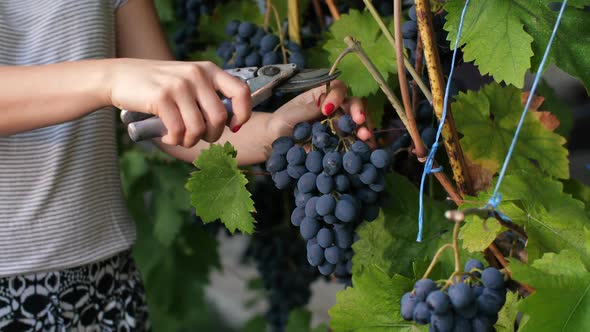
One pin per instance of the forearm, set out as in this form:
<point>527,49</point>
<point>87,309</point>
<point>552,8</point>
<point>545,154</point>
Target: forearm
<point>250,142</point>
<point>33,97</point>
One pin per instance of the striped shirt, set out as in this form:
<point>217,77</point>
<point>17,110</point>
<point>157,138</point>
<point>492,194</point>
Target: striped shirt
<point>61,203</point>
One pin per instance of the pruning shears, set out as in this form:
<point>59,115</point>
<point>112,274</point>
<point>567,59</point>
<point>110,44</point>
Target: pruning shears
<point>262,81</point>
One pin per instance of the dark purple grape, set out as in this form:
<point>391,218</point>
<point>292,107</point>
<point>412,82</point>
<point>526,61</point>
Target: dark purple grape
<point>481,324</point>
<point>276,163</point>
<point>306,183</point>
<point>309,227</point>
<point>380,158</point>
<point>325,205</point>
<point>442,322</point>
<point>346,124</point>
<point>351,162</point>
<point>269,42</point>
<point>324,183</point>
<point>282,179</point>
<point>370,212</point>
<point>343,237</point>
<point>231,28</point>
<point>330,219</point>
<point>243,49</point>
<point>423,287</point>
<point>438,302</point>
<point>474,264</point>
<point>310,207</point>
<point>428,136</point>
<point>296,171</point>
<point>332,254</point>
<point>297,216</point>
<point>321,140</point>
<point>362,150</point>
<point>408,304</point>
<point>313,162</point>
<point>325,237</point>
<point>246,29</point>
<point>302,131</point>
<point>492,278</point>
<point>422,313</point>
<point>345,210</point>
<point>332,162</point>
<point>318,127</point>
<point>341,182</point>
<point>298,59</point>
<point>270,58</point>
<point>296,155</point>
<point>326,268</point>
<point>253,60</point>
<point>315,255</point>
<point>409,30</point>
<point>367,195</point>
<point>301,198</point>
<point>368,174</point>
<point>282,145</point>
<point>461,295</point>
<point>461,324</point>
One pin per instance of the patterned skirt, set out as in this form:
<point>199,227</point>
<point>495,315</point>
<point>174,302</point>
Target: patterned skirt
<point>103,296</point>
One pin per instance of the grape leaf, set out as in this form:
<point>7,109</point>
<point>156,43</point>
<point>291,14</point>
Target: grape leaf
<point>372,304</point>
<point>552,219</point>
<point>568,289</point>
<point>507,315</point>
<point>375,103</point>
<point>506,38</point>
<point>488,119</point>
<point>218,189</point>
<point>300,321</point>
<point>361,26</point>
<point>578,190</point>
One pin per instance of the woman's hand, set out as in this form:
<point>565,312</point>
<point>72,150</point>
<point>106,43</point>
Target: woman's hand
<point>312,104</point>
<point>182,94</point>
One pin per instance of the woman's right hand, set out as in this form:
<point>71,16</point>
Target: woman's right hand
<point>182,94</point>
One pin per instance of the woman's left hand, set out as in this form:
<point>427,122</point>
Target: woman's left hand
<point>314,103</point>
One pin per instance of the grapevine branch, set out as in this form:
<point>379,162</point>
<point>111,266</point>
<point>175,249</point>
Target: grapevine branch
<point>403,82</point>
<point>333,9</point>
<point>449,132</point>
<point>391,40</point>
<point>293,19</point>
<point>418,68</point>
<point>440,176</point>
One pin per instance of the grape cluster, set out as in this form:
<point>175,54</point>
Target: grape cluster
<point>279,255</point>
<point>469,305</point>
<point>252,46</point>
<point>338,183</point>
<point>186,38</point>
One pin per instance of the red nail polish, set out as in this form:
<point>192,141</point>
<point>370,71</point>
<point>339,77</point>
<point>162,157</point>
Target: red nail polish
<point>329,108</point>
<point>235,129</point>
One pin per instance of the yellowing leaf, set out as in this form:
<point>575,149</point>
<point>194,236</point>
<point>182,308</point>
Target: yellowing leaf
<point>218,189</point>
<point>488,119</point>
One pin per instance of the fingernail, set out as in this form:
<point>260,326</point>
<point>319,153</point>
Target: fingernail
<point>329,108</point>
<point>235,129</point>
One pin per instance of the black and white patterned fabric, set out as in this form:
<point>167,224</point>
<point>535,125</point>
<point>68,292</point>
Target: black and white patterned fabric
<point>103,296</point>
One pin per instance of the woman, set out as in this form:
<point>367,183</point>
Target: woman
<point>65,233</point>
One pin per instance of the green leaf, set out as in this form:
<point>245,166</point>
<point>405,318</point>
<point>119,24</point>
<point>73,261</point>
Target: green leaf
<point>361,26</point>
<point>212,28</point>
<point>552,219</point>
<point>561,301</point>
<point>488,119</point>
<point>300,321</point>
<point>506,38</point>
<point>218,189</point>
<point>165,9</point>
<point>372,304</point>
<point>375,105</point>
<point>578,190</point>
<point>477,237</point>
<point>566,263</point>
<point>256,324</point>
<point>507,315</point>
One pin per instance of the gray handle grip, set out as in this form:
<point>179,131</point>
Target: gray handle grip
<point>153,127</point>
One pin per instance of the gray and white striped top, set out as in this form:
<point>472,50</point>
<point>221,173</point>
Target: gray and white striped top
<point>61,203</point>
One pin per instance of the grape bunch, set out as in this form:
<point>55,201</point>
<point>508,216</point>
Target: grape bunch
<point>338,184</point>
<point>186,37</point>
<point>252,46</point>
<point>469,305</point>
<point>279,255</point>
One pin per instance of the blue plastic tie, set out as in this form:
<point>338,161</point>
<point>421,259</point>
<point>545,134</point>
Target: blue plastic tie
<point>430,160</point>
<point>496,198</point>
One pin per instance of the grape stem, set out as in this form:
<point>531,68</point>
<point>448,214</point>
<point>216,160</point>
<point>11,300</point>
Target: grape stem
<point>392,42</point>
<point>435,259</point>
<point>433,65</point>
<point>403,82</point>
<point>455,246</point>
<point>280,32</point>
<point>293,19</point>
<point>333,9</point>
<point>440,176</point>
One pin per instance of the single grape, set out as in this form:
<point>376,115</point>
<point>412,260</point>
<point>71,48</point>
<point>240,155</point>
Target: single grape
<point>297,216</point>
<point>340,271</point>
<point>408,304</point>
<point>362,150</point>
<point>270,58</point>
<point>343,238</point>
<point>424,113</point>
<point>467,312</point>
<point>310,207</point>
<point>321,140</point>
<point>325,205</point>
<point>461,295</point>
<point>346,124</point>
<point>380,158</point>
<point>257,38</point>
<point>423,287</point>
<point>492,278</point>
<point>481,324</point>
<point>438,302</point>
<point>474,264</point>
<point>488,304</point>
<point>313,162</point>
<point>326,268</point>
<point>330,219</point>
<point>318,127</point>
<point>351,162</point>
<point>442,323</point>
<point>412,13</point>
<point>461,324</point>
<point>332,254</point>
<point>345,210</point>
<point>246,29</point>
<point>276,163</point>
<point>282,179</point>
<point>315,255</point>
<point>410,44</point>
<point>296,171</point>
<point>341,182</point>
<point>477,290</point>
<point>409,30</point>
<point>368,174</point>
<point>269,42</point>
<point>232,28</point>
<point>243,49</point>
<point>332,162</point>
<point>421,313</point>
<point>306,183</point>
<point>302,131</point>
<point>324,183</point>
<point>296,155</point>
<point>253,60</point>
<point>301,198</point>
<point>282,145</point>
<point>379,184</point>
<point>309,227</point>
<point>325,237</point>
<point>428,136</point>
<point>298,59</point>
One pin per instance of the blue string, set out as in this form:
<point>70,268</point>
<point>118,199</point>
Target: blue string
<point>496,198</point>
<point>430,160</point>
